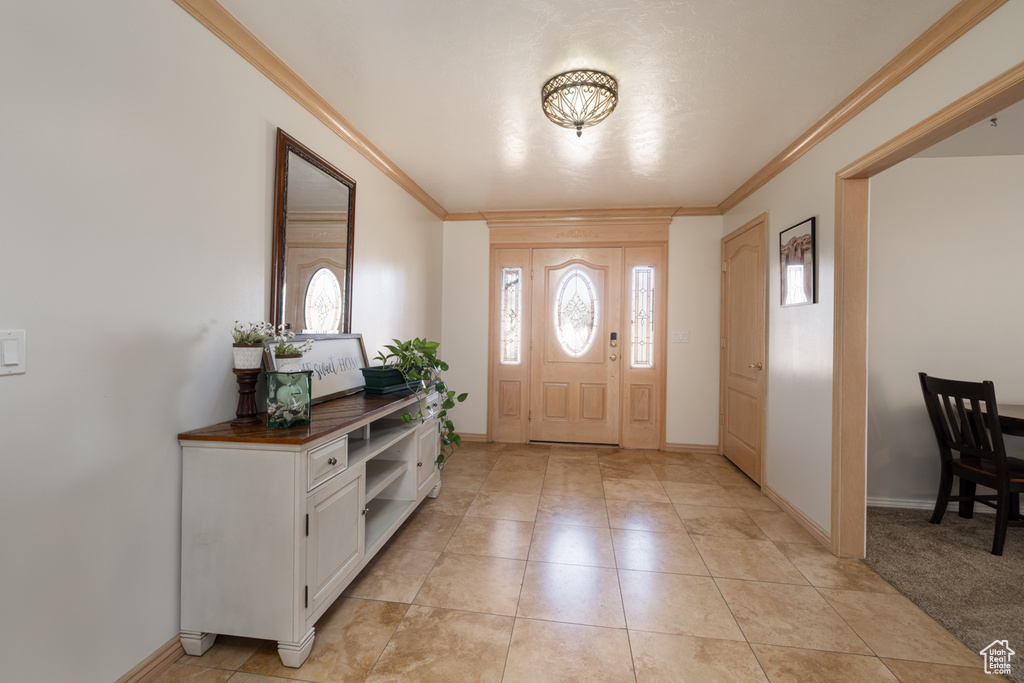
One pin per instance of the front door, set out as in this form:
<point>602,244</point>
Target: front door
<point>744,350</point>
<point>575,366</point>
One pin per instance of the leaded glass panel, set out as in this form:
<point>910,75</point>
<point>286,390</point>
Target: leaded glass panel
<point>642,317</point>
<point>576,312</point>
<point>323,302</point>
<point>511,315</point>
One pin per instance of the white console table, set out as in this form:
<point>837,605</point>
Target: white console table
<point>276,523</point>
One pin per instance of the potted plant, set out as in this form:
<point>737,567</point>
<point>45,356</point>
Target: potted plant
<point>248,345</point>
<point>417,362</point>
<point>285,350</point>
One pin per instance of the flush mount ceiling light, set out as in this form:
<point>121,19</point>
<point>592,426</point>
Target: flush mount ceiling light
<point>579,99</point>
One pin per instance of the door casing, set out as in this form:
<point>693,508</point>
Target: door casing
<point>643,239</point>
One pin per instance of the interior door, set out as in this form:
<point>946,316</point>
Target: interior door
<point>574,366</point>
<point>744,352</point>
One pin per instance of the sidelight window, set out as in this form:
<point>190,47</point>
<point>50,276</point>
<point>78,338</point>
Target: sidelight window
<point>511,315</point>
<point>642,317</point>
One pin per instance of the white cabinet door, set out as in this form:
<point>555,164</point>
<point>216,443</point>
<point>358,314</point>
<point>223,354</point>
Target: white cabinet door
<point>336,542</point>
<point>428,445</point>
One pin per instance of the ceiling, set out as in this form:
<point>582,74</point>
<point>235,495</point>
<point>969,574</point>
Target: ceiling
<point>709,90</point>
<point>984,139</point>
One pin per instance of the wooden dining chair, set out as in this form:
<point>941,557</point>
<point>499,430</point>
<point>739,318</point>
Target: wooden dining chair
<point>965,418</point>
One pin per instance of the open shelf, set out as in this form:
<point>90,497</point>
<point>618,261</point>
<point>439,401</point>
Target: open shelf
<point>380,473</point>
<point>382,515</point>
<point>383,433</point>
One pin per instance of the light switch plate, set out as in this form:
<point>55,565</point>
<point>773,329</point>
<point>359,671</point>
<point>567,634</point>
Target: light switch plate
<point>12,352</point>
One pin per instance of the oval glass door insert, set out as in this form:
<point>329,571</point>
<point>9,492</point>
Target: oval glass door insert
<point>323,302</point>
<point>576,312</point>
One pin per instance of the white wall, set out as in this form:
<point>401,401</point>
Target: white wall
<point>464,320</point>
<point>693,296</point>
<point>799,429</point>
<point>136,186</point>
<point>944,266</point>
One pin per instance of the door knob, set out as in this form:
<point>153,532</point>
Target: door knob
<point>755,365</point>
<point>612,357</point>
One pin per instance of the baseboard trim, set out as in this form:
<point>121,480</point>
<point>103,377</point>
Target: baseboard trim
<point>702,449</point>
<point>809,525</point>
<point>916,504</point>
<point>473,438</point>
<point>150,668</point>
<point>912,503</point>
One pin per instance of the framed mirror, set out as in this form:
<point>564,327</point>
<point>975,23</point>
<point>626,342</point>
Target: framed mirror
<point>314,225</point>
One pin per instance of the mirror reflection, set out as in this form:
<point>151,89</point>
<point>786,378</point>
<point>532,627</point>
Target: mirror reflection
<point>312,260</point>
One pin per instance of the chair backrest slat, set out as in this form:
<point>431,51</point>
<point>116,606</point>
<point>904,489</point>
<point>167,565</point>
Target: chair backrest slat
<point>965,418</point>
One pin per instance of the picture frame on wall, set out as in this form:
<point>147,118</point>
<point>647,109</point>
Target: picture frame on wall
<point>797,264</point>
<point>335,360</point>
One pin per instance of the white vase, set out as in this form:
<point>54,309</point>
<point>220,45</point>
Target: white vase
<point>247,357</point>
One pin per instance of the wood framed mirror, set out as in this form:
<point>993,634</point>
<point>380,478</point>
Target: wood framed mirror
<point>314,227</point>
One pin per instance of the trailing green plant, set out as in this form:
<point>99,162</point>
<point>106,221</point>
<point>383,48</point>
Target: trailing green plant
<point>284,345</point>
<point>251,334</point>
<point>417,360</point>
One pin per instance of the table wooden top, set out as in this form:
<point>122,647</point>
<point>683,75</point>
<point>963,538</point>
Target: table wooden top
<point>337,415</point>
<point>1013,412</point>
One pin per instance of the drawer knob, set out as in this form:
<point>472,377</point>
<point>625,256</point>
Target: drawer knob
<point>365,510</point>
<point>419,464</point>
<point>332,461</point>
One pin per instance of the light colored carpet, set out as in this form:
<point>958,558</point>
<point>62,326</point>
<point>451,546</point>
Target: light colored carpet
<point>948,571</point>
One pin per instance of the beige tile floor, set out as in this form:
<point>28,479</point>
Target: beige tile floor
<point>541,563</point>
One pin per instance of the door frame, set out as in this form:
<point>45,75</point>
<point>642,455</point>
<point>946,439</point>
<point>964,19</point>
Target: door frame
<point>762,221</point>
<point>849,370</point>
<point>601,231</point>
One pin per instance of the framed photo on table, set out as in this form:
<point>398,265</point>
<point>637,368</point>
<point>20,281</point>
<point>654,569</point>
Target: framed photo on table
<point>799,281</point>
<point>335,360</point>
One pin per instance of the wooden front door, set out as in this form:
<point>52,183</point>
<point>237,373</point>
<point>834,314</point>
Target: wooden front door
<point>575,369</point>
<point>744,352</point>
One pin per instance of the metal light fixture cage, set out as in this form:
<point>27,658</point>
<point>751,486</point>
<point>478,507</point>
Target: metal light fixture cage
<point>579,99</point>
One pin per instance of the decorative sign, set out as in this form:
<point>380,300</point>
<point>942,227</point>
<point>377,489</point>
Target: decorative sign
<point>335,361</point>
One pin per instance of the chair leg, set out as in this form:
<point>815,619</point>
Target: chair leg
<point>942,499</point>
<point>967,492</point>
<point>1002,517</point>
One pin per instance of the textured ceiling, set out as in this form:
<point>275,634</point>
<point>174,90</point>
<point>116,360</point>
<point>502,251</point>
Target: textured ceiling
<point>709,90</point>
<point>984,139</point>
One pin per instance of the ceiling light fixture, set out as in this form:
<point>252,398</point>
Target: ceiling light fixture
<point>579,99</point>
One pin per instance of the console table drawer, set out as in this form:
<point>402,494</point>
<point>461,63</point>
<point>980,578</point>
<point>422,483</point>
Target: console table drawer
<point>327,460</point>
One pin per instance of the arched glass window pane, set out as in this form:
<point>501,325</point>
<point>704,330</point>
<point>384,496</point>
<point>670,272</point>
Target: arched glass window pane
<point>323,302</point>
<point>511,315</point>
<point>642,317</point>
<point>576,312</point>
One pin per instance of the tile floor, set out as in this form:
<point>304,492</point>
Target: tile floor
<point>541,563</point>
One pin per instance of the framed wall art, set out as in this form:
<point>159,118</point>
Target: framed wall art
<point>335,360</point>
<point>797,265</point>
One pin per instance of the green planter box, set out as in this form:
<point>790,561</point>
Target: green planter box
<point>380,380</point>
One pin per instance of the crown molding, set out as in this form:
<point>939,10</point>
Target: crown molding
<point>225,26</point>
<point>592,231</point>
<point>939,36</point>
<point>549,215</point>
